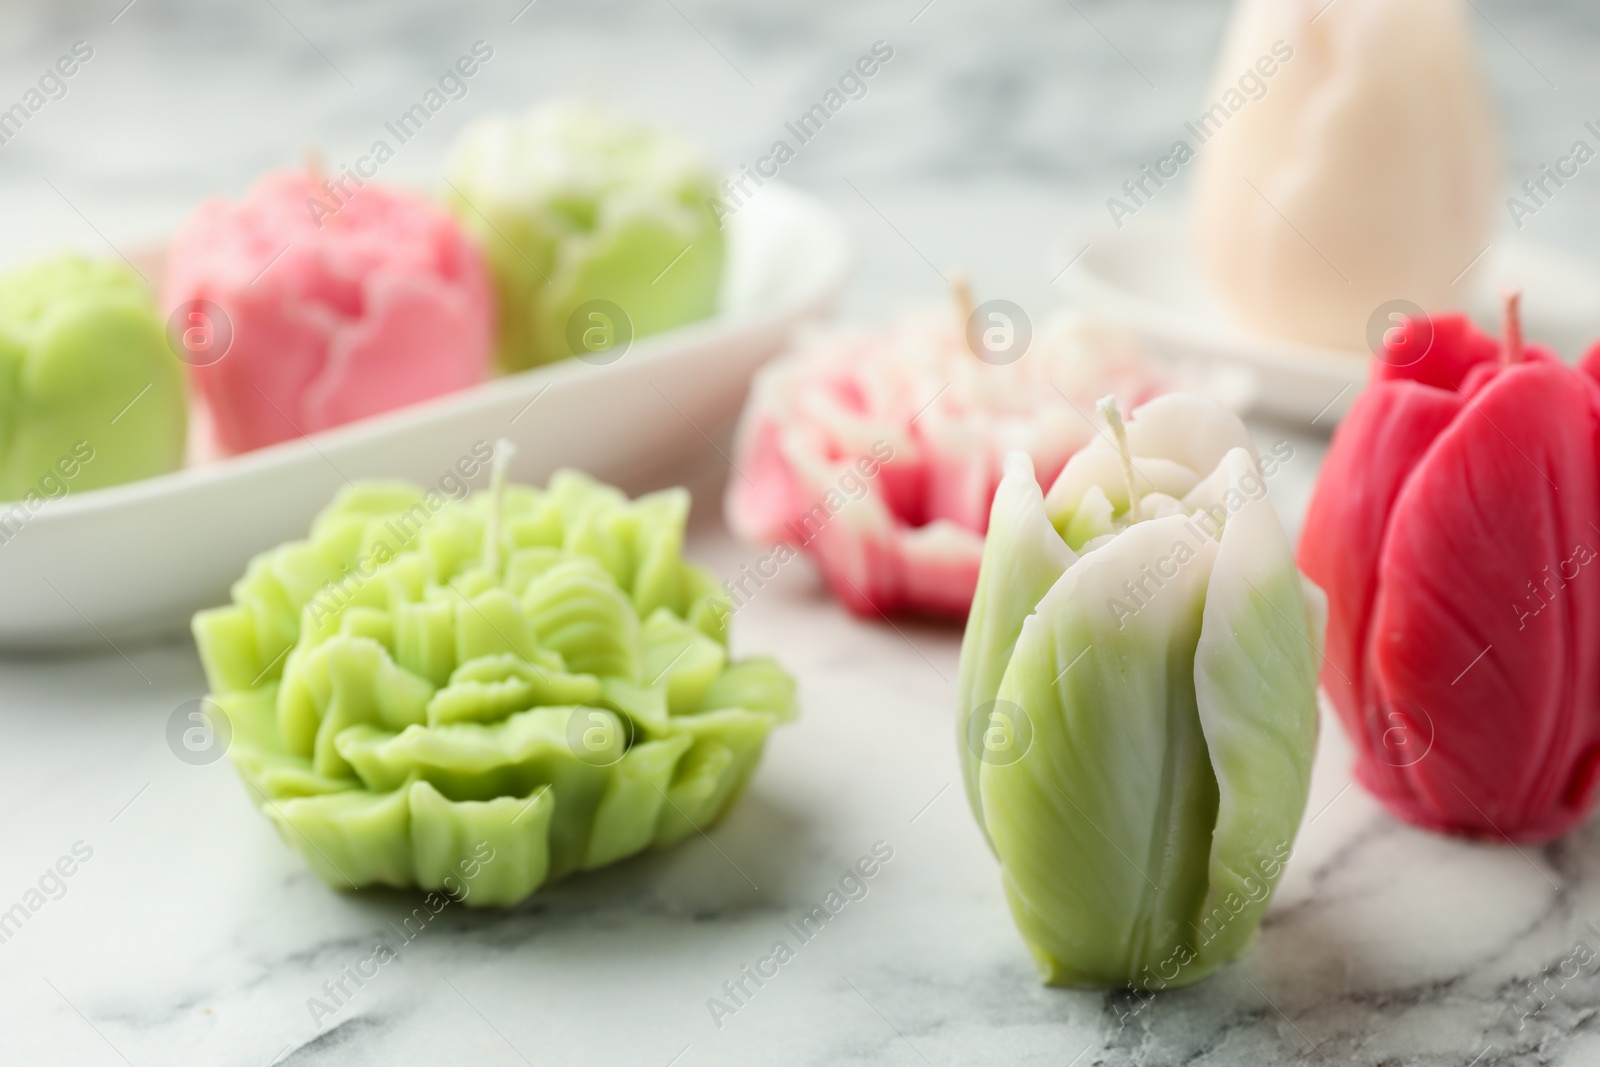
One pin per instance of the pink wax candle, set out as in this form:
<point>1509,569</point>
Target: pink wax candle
<point>878,452</point>
<point>327,307</point>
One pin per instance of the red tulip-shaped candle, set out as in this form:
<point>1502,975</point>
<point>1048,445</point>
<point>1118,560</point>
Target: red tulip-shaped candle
<point>1455,529</point>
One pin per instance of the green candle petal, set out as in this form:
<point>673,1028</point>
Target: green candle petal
<point>1022,558</point>
<point>433,701</point>
<point>1256,677</point>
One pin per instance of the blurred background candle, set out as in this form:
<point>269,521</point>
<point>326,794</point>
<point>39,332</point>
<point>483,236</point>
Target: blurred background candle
<point>586,214</point>
<point>342,299</point>
<point>1349,157</point>
<point>877,451</point>
<point>90,394</point>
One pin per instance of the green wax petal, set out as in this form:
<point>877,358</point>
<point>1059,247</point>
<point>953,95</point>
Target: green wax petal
<point>681,658</point>
<point>274,618</point>
<point>645,705</point>
<point>571,205</point>
<point>226,640</point>
<point>369,500</point>
<point>577,495</point>
<point>487,852</point>
<point>526,564</point>
<point>301,570</point>
<point>469,761</point>
<point>406,580</point>
<point>489,689</point>
<point>252,716</point>
<point>354,838</point>
<point>604,537</point>
<point>577,609</point>
<point>727,747</point>
<point>1103,823</point>
<point>371,623</point>
<point>659,582</point>
<point>1022,558</point>
<point>425,639</point>
<point>540,527</point>
<point>274,774</point>
<point>709,606</point>
<point>1091,520</point>
<point>1255,674</point>
<point>695,798</point>
<point>492,623</point>
<point>757,684</point>
<point>363,687</point>
<point>451,541</point>
<point>630,811</point>
<point>685,248</point>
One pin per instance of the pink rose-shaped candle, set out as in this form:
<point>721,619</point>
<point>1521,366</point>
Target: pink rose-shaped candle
<point>878,452</point>
<point>332,307</point>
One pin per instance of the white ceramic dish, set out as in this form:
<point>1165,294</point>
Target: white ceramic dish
<point>137,560</point>
<point>1144,278</point>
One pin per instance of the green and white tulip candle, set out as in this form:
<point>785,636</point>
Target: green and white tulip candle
<point>1138,699</point>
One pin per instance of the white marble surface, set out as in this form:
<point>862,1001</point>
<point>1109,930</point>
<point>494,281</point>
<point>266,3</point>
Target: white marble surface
<point>193,936</point>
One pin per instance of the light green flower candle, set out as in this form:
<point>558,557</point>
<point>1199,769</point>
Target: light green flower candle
<point>535,676</point>
<point>597,230</point>
<point>90,393</point>
<point>1138,697</point>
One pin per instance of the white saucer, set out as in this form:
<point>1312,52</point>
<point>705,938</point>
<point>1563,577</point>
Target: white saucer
<point>139,559</point>
<point>1145,279</point>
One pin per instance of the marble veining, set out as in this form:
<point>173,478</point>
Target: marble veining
<point>193,935</point>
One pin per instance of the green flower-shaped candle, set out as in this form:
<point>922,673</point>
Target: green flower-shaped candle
<point>1138,685</point>
<point>534,676</point>
<point>597,230</point>
<point>90,393</point>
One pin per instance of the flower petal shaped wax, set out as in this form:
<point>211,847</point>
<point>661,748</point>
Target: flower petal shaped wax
<point>90,393</point>
<point>598,230</point>
<point>1455,527</point>
<point>335,307</point>
<point>1348,158</point>
<point>1138,699</point>
<point>544,681</point>
<point>878,452</point>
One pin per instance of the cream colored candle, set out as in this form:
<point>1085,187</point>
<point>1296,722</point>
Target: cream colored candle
<point>1364,169</point>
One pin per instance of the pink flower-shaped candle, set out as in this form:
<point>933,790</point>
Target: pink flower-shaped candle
<point>321,305</point>
<point>878,452</point>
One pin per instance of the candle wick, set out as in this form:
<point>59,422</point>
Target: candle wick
<point>1107,406</point>
<point>961,293</point>
<point>503,451</point>
<point>1512,353</point>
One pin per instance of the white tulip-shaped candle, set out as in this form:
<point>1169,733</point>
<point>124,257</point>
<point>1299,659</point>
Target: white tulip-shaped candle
<point>1350,158</point>
<point>1138,698</point>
